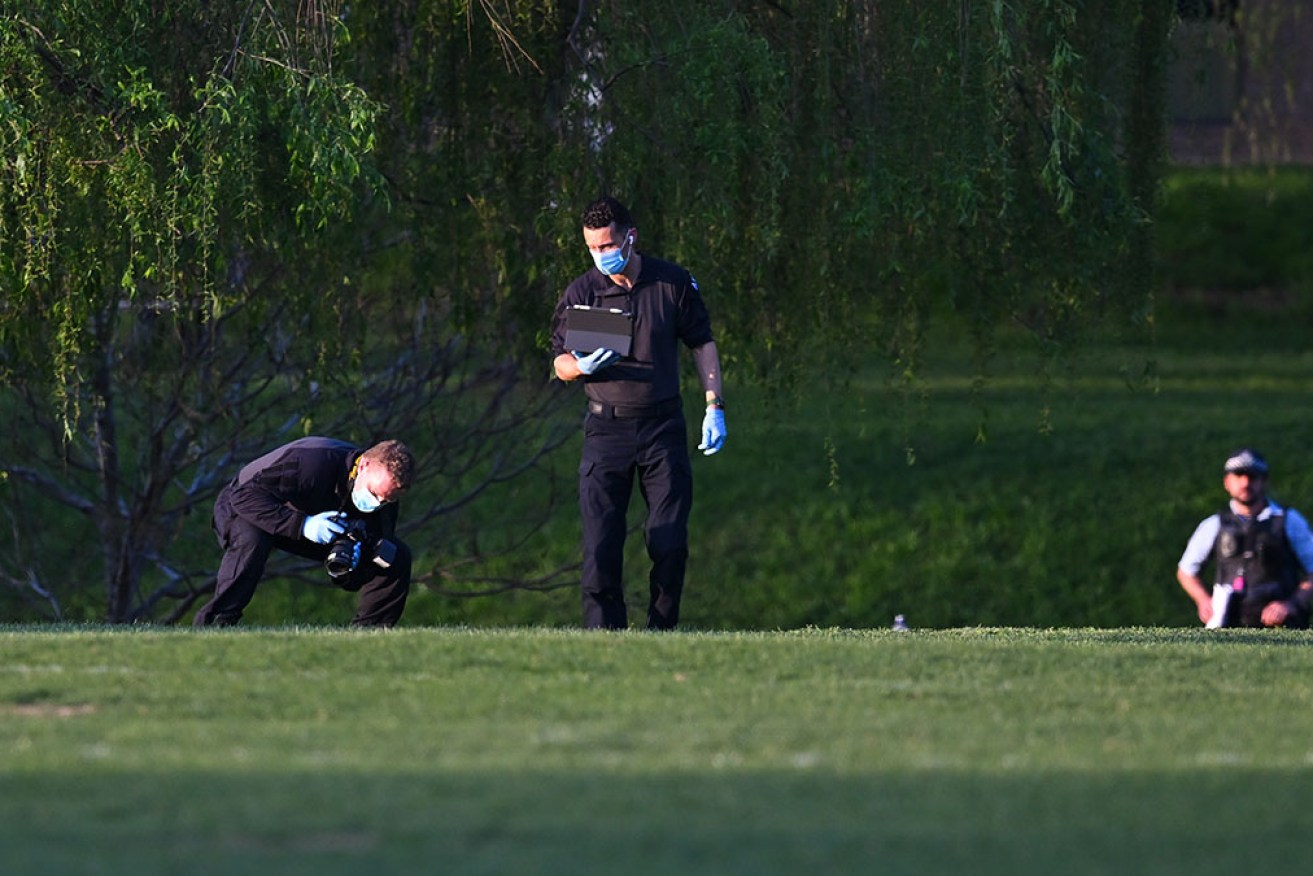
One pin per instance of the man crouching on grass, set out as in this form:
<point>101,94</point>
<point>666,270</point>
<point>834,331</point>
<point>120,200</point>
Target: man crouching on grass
<point>325,500</point>
<point>1263,554</point>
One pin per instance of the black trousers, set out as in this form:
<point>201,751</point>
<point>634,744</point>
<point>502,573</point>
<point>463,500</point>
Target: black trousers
<point>246,550</point>
<point>617,453</point>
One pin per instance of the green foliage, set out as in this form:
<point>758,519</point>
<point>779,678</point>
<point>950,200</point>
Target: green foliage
<point>869,166</point>
<point>133,175</point>
<point>1238,229</point>
<point>690,125</point>
<point>843,169</point>
<point>982,751</point>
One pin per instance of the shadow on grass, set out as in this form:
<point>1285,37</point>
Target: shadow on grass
<point>722,822</point>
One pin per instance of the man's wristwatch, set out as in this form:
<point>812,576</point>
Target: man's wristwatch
<point>716,402</point>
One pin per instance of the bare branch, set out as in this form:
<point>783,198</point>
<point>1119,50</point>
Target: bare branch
<point>572,38</point>
<point>230,64</point>
<point>30,582</point>
<point>50,487</point>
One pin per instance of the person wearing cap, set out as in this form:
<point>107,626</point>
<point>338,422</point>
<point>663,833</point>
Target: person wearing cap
<point>1262,554</point>
<point>634,429</point>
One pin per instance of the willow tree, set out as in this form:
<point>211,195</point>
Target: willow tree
<point>226,225</point>
<point>848,169</point>
<point>181,192</point>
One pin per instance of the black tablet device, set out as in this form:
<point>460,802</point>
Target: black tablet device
<point>592,328</point>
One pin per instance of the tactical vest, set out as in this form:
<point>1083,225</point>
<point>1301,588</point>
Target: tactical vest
<point>1256,549</point>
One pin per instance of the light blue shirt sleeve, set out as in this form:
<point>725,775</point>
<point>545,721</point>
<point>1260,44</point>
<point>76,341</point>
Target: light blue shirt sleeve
<point>1301,539</point>
<point>1200,546</point>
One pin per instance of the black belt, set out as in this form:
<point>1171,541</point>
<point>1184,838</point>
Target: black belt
<point>667,408</point>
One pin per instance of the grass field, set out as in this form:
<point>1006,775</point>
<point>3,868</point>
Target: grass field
<point>431,750</point>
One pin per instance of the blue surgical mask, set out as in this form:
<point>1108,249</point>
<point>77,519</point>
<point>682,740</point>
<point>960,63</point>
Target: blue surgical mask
<point>364,500</point>
<point>613,261</point>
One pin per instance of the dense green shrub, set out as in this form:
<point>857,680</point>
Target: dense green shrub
<point>1237,229</point>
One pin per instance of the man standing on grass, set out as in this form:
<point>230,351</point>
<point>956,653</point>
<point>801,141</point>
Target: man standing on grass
<point>1263,555</point>
<point>635,427</point>
<point>316,497</point>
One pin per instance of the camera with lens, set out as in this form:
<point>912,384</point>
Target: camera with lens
<point>353,546</point>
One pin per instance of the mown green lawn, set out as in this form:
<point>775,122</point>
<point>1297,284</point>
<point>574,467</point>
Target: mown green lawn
<point>432,750</point>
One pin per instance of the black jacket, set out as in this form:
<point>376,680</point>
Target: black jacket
<point>278,491</point>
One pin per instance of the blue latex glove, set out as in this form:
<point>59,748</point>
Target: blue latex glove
<point>596,360</point>
<point>713,431</point>
<point>323,527</point>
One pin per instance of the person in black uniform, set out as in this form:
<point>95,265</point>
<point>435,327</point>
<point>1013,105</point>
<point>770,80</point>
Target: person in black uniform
<point>634,427</point>
<point>302,498</point>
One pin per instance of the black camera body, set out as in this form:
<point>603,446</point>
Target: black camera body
<point>353,546</point>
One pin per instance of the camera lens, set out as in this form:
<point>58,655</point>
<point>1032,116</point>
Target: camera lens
<point>343,556</point>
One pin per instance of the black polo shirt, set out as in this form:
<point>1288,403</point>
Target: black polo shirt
<point>667,309</point>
